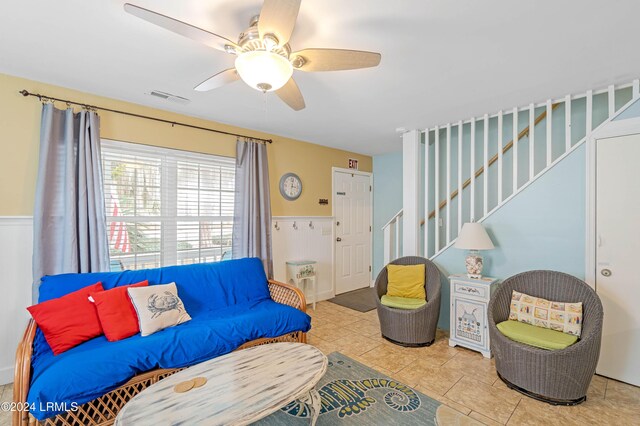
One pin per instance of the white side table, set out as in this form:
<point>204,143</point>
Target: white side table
<point>468,321</point>
<point>303,272</point>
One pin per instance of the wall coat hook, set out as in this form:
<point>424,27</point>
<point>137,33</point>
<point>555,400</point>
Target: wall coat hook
<point>311,224</point>
<point>295,225</point>
<point>276,226</point>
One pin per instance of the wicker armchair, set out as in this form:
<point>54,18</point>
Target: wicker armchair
<point>415,327</point>
<point>559,377</point>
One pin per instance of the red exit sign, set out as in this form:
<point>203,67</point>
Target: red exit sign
<point>353,163</point>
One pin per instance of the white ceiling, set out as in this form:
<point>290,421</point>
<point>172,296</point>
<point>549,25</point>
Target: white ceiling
<point>441,60</point>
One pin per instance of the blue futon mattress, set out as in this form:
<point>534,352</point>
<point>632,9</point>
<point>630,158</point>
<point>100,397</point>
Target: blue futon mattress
<point>229,304</point>
<point>95,367</point>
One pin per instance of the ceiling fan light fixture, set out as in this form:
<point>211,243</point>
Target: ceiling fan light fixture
<point>263,70</point>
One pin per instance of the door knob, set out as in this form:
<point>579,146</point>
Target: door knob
<point>338,239</point>
<point>606,272</point>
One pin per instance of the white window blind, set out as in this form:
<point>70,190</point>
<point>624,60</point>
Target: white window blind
<point>166,207</point>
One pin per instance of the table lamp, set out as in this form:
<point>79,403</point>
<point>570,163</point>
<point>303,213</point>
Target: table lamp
<point>474,237</point>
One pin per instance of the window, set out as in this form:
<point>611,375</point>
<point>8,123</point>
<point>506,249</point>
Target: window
<point>166,207</point>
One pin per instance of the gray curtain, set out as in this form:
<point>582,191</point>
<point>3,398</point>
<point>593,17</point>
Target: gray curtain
<point>252,213</point>
<point>69,221</point>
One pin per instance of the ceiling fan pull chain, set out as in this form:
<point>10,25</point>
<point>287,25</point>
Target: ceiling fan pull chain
<point>265,94</point>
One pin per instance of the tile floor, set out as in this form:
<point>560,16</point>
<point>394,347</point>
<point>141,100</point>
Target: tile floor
<point>463,379</point>
<point>459,378</point>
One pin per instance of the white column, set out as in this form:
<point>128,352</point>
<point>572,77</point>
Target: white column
<point>410,192</point>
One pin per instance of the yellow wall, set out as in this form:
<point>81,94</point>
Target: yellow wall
<point>20,130</point>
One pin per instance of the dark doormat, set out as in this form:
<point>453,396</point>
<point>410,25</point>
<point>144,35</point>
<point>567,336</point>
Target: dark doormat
<point>363,300</point>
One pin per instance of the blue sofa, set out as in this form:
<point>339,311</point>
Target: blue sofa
<point>232,305</point>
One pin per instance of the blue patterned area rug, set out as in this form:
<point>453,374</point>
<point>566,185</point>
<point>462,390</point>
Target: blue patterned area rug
<point>354,394</point>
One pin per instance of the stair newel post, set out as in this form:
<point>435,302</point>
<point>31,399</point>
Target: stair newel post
<point>410,195</point>
<point>426,193</point>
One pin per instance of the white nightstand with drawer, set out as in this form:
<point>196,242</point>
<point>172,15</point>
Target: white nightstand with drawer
<point>468,320</point>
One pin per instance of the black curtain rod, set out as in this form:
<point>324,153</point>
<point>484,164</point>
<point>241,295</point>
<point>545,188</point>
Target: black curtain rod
<point>131,114</point>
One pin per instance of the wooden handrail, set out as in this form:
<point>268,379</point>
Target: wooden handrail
<point>493,159</point>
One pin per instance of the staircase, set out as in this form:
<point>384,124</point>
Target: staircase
<point>472,168</point>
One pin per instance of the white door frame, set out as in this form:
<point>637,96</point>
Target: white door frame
<point>610,130</point>
<point>334,170</point>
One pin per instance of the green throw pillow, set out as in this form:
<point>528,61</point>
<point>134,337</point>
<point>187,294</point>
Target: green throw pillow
<point>539,337</point>
<point>402,302</point>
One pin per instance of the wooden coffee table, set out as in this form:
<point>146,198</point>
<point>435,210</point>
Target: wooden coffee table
<point>241,387</point>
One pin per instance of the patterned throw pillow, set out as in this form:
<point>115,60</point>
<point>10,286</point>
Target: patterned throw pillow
<point>560,316</point>
<point>158,307</point>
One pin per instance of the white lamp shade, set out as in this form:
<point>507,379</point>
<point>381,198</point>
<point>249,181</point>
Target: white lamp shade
<point>473,236</point>
<point>262,70</point>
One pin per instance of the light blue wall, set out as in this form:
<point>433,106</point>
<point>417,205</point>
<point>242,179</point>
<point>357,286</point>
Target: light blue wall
<point>387,199</point>
<point>543,227</point>
<point>631,112</point>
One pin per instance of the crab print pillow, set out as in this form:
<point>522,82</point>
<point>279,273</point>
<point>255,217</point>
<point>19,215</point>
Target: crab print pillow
<point>157,307</point>
<point>560,316</point>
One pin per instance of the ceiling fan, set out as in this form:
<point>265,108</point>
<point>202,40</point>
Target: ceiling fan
<point>264,59</point>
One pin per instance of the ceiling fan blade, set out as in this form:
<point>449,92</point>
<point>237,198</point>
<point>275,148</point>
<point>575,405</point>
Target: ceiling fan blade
<point>291,95</point>
<point>218,80</point>
<point>333,59</point>
<point>278,17</point>
<point>198,34</point>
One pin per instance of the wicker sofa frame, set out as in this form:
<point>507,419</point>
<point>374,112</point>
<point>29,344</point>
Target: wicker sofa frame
<point>416,327</point>
<point>559,377</point>
<point>102,411</point>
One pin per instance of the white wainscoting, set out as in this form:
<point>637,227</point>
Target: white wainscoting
<point>304,242</point>
<point>16,234</point>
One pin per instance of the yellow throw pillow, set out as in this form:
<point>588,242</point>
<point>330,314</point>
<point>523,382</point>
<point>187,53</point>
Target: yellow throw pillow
<point>406,281</point>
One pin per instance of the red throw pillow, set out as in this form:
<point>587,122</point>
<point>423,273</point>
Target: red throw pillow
<point>116,312</point>
<point>68,320</point>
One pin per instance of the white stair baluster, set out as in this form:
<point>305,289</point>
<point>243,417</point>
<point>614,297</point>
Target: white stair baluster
<point>436,182</point>
<point>567,122</point>
<point>485,173</point>
<point>459,177</point>
<point>611,97</point>
<point>472,175</point>
<point>500,157</point>
<point>532,150</point>
<point>589,120</point>
<point>448,194</point>
<point>515,149</point>
<point>549,122</point>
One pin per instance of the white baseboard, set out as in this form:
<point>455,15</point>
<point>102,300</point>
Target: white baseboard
<point>6,375</point>
<point>325,295</point>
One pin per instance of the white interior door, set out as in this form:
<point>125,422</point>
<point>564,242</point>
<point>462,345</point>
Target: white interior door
<point>618,243</point>
<point>352,204</point>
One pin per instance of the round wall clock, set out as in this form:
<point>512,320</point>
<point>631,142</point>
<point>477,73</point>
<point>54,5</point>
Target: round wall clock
<point>290,186</point>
